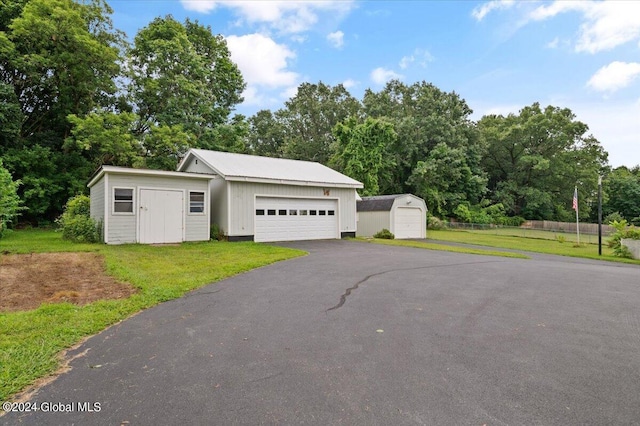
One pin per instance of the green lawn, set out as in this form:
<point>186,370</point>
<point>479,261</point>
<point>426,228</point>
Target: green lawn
<point>533,233</point>
<point>486,238</point>
<point>440,247</point>
<point>31,340</point>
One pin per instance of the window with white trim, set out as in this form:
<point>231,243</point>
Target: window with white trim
<point>123,200</point>
<point>196,202</point>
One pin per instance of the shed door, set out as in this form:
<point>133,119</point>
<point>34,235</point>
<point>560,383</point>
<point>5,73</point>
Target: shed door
<point>409,223</point>
<point>161,216</point>
<point>290,219</point>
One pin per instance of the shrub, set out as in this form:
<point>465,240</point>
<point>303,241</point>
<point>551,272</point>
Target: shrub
<point>622,232</point>
<point>435,223</point>
<point>10,203</point>
<point>215,233</point>
<point>76,223</point>
<point>613,217</point>
<point>385,234</point>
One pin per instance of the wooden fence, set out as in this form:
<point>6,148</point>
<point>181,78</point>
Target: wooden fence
<point>550,225</point>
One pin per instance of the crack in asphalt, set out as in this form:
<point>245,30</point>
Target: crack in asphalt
<point>348,292</point>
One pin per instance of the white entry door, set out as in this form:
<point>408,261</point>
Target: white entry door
<point>291,219</point>
<point>409,223</point>
<point>161,216</point>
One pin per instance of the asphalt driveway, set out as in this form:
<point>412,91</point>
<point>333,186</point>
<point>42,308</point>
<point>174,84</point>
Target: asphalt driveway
<point>356,333</point>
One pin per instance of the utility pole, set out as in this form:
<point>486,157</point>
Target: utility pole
<point>600,215</point>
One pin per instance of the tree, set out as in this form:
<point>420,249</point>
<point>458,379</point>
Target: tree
<point>432,126</point>
<point>10,204</point>
<point>57,57</point>
<point>362,150</point>
<point>183,75</point>
<point>622,193</point>
<point>535,159</point>
<point>309,117</point>
<point>266,134</point>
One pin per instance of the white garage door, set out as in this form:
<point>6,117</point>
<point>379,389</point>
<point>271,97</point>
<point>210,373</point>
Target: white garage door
<point>161,214</point>
<point>290,219</point>
<point>408,223</point>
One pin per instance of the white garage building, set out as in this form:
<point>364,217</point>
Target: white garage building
<point>405,215</point>
<point>273,199</point>
<point>150,206</point>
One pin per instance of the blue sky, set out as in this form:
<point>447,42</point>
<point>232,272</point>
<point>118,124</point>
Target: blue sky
<point>498,55</point>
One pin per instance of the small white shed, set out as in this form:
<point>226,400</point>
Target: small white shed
<point>150,206</point>
<point>405,215</point>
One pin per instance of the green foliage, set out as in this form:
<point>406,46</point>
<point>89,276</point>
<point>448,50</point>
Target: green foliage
<point>437,151</point>
<point>613,217</point>
<point>76,222</point>
<point>309,118</point>
<point>623,231</point>
<point>561,239</point>
<point>621,189</point>
<point>435,223</point>
<point>385,234</point>
<point>362,151</point>
<point>215,233</point>
<point>535,158</point>
<point>182,74</point>
<point>10,203</point>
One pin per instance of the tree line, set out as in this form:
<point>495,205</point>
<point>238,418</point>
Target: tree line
<point>76,94</point>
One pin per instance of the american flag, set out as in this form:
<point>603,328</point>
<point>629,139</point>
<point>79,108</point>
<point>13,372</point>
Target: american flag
<point>575,199</point>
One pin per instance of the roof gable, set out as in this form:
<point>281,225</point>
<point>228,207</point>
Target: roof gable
<point>252,168</point>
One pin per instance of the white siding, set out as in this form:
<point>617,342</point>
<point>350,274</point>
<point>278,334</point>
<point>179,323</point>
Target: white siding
<point>196,166</point>
<point>242,198</point>
<point>370,223</point>
<point>219,205</point>
<point>123,228</point>
<point>97,202</point>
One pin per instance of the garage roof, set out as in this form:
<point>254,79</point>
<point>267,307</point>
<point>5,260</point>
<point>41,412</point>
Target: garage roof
<point>144,172</point>
<point>378,203</point>
<point>252,168</point>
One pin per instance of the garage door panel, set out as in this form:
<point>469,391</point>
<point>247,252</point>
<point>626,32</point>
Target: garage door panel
<point>408,222</point>
<point>294,219</point>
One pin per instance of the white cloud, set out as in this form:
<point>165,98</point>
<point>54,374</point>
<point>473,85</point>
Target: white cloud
<point>336,39</point>
<point>381,75</point>
<point>606,24</point>
<point>479,12</point>
<point>263,62</point>
<point>614,76</point>
<point>553,44</point>
<point>285,16</point>
<point>419,55</point>
<point>202,6</point>
<point>349,83</point>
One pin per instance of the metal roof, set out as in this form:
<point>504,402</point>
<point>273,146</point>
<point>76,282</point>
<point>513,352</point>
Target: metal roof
<point>378,203</point>
<point>145,172</point>
<point>252,168</point>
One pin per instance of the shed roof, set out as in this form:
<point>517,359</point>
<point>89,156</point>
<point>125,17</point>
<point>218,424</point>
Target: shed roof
<point>143,172</point>
<point>381,203</point>
<point>252,168</point>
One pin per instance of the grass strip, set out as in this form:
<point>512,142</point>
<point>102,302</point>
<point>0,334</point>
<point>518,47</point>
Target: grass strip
<point>537,245</point>
<point>30,341</point>
<point>440,247</point>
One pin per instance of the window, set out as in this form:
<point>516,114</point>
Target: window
<point>123,200</point>
<point>293,212</point>
<point>303,212</point>
<point>312,212</point>
<point>260,212</point>
<point>196,202</point>
<point>322,212</point>
<point>331,212</point>
<point>271,212</point>
<point>282,212</point>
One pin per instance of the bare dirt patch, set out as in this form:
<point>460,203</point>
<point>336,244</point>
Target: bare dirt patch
<point>28,280</point>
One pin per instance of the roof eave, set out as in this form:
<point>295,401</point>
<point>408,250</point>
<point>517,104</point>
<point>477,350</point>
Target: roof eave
<point>293,182</point>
